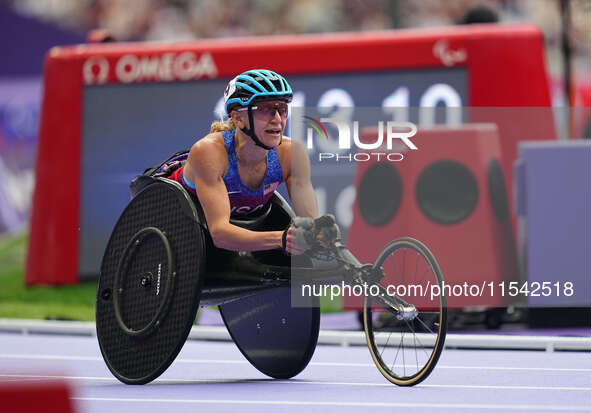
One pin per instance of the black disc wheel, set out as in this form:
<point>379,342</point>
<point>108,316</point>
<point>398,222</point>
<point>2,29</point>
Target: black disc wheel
<point>150,284</point>
<point>405,312</point>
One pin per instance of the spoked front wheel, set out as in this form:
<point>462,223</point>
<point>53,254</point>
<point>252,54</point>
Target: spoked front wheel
<point>405,312</point>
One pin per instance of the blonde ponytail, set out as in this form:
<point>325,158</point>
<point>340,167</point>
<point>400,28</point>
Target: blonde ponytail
<point>220,125</point>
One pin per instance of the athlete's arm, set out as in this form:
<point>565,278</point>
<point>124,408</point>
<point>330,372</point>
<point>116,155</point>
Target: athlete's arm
<point>298,182</point>
<point>299,186</point>
<point>205,168</point>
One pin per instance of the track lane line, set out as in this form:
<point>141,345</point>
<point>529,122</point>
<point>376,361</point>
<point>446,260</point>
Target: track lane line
<point>308,382</point>
<point>504,407</point>
<point>313,363</point>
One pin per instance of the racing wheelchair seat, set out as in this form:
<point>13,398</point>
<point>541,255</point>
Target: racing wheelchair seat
<point>160,266</point>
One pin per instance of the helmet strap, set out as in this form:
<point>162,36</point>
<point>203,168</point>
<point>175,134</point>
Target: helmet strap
<point>253,136</point>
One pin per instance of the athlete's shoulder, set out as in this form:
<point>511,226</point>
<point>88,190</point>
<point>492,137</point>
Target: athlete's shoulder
<point>213,140</point>
<point>209,153</point>
<point>292,152</point>
<point>289,146</point>
<point>211,145</point>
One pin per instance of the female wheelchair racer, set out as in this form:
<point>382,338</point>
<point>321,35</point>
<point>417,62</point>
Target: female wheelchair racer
<point>236,168</point>
<point>190,216</point>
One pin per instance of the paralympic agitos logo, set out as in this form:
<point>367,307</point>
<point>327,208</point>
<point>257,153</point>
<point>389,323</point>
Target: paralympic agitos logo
<point>390,135</point>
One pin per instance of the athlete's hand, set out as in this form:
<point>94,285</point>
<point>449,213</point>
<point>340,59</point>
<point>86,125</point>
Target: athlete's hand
<point>294,237</point>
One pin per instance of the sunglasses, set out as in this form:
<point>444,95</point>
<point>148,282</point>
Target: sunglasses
<point>267,110</point>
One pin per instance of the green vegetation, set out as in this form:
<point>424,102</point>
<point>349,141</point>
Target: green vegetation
<point>72,302</point>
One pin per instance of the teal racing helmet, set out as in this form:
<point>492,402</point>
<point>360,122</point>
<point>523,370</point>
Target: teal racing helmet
<point>255,86</point>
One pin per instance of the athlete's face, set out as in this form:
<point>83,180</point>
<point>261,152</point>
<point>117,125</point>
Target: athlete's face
<point>269,121</point>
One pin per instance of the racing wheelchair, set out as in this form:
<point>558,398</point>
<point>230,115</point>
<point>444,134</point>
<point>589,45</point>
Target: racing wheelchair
<point>160,266</point>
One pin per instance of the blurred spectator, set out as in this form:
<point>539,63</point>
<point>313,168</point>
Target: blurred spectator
<point>310,16</point>
<point>478,15</point>
<point>99,36</point>
<point>170,23</point>
<point>367,15</point>
<point>127,20</point>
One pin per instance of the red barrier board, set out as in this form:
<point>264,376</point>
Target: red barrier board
<point>27,397</point>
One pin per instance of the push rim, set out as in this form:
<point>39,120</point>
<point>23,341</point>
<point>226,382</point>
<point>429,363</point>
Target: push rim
<point>126,257</point>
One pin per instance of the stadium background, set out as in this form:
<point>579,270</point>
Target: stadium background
<point>40,25</point>
<point>557,229</point>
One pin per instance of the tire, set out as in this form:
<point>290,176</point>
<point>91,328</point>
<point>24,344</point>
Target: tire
<point>426,325</point>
